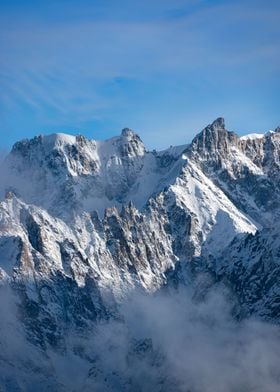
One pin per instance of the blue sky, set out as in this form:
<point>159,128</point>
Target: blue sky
<point>163,68</point>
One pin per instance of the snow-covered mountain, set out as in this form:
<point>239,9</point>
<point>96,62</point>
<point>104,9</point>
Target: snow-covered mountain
<point>124,214</point>
<point>85,222</point>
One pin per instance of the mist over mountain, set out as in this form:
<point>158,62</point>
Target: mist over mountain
<point>123,269</point>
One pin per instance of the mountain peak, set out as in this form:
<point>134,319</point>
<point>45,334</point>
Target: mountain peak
<point>219,123</point>
<point>56,139</point>
<point>127,132</point>
<point>41,145</point>
<point>214,139</point>
<point>133,144</point>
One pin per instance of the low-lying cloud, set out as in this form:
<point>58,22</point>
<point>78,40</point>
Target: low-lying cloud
<point>160,343</point>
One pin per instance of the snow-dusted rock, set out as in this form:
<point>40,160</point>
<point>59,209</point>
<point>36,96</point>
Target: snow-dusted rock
<point>84,222</point>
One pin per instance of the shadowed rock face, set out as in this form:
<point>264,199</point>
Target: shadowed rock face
<point>84,222</point>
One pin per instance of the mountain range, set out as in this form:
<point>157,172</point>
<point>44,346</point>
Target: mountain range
<point>84,224</point>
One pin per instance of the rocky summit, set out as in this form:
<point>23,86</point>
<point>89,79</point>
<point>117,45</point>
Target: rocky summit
<point>85,223</point>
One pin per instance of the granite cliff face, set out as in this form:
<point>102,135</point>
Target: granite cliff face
<point>84,222</point>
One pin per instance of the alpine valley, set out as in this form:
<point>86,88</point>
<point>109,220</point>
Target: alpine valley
<point>108,252</point>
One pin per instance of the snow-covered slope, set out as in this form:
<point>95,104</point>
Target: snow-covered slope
<point>61,172</point>
<point>246,169</point>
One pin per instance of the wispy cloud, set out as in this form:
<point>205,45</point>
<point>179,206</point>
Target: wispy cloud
<point>165,342</point>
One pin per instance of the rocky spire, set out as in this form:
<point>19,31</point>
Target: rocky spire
<point>127,132</point>
<point>132,143</point>
<point>214,138</point>
<point>219,123</point>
